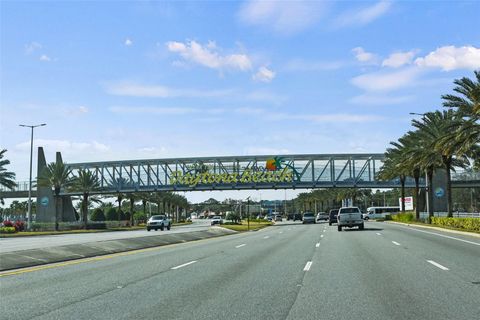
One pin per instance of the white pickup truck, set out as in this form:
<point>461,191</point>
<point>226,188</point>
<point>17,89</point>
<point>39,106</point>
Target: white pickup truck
<point>349,217</point>
<point>159,222</point>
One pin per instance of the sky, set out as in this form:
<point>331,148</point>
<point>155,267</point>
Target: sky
<point>119,80</point>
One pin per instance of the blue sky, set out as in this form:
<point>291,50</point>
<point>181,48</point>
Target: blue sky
<point>130,80</point>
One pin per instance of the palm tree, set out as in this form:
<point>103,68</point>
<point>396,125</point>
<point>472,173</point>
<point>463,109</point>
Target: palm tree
<point>86,182</point>
<point>396,166</point>
<point>468,103</point>
<point>55,175</point>
<point>433,127</point>
<point>465,134</point>
<point>7,178</point>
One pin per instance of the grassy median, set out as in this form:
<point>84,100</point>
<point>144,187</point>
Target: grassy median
<point>244,226</point>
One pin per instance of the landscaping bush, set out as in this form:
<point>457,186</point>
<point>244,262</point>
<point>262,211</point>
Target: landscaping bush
<point>19,225</point>
<point>8,230</point>
<point>97,215</point>
<point>97,225</point>
<point>233,216</point>
<point>466,224</point>
<point>111,215</point>
<point>140,217</point>
<point>388,217</point>
<point>122,215</point>
<point>403,217</point>
<point>7,223</point>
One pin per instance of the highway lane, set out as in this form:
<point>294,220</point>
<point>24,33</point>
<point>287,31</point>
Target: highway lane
<point>35,242</point>
<point>283,272</point>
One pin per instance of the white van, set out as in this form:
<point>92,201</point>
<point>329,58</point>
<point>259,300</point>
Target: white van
<point>379,212</point>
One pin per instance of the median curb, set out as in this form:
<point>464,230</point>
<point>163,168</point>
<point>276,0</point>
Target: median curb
<point>436,228</point>
<point>36,257</point>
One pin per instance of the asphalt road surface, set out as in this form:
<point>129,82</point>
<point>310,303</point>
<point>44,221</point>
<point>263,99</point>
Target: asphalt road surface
<point>35,242</point>
<point>288,271</point>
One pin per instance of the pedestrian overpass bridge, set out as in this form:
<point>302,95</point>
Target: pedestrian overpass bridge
<point>240,173</point>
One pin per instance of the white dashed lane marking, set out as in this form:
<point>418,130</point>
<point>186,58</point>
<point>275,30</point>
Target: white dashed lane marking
<point>317,245</point>
<point>240,245</point>
<point>183,265</point>
<point>307,266</point>
<point>438,265</point>
<point>396,243</point>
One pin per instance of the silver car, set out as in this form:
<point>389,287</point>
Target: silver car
<point>308,217</point>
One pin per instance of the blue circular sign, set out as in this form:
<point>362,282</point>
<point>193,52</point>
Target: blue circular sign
<point>439,192</point>
<point>44,201</point>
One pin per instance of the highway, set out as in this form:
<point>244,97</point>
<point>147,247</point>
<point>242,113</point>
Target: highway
<point>288,271</point>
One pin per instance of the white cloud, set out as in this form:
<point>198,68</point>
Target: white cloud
<point>365,57</point>
<point>399,59</point>
<point>303,65</point>
<point>386,81</point>
<point>128,42</point>
<point>325,118</point>
<point>32,47</point>
<point>450,58</point>
<point>165,110</point>
<point>265,151</point>
<point>80,110</point>
<point>285,17</point>
<point>363,16</point>
<point>249,111</point>
<point>264,75</point>
<point>159,91</point>
<point>376,99</point>
<point>45,58</point>
<point>208,56</point>
<point>154,110</point>
<point>66,147</point>
<point>266,96</point>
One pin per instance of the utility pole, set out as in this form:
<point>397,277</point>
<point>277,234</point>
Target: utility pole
<point>248,213</point>
<point>29,222</point>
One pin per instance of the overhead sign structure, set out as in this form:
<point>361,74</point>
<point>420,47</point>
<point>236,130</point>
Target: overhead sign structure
<point>239,173</point>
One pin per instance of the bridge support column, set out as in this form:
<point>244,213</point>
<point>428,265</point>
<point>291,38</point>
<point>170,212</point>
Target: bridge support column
<point>46,199</point>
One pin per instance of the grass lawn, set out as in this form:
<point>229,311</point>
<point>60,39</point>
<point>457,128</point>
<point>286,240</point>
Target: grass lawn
<point>244,226</point>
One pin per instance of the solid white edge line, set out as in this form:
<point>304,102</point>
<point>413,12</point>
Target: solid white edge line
<point>183,265</point>
<point>442,235</point>
<point>240,245</point>
<point>438,265</point>
<point>396,243</point>
<point>317,245</point>
<point>307,266</point>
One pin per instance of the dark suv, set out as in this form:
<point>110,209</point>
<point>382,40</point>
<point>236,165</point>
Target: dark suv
<point>332,216</point>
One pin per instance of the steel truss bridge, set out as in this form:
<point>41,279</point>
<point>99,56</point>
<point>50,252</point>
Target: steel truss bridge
<point>244,172</point>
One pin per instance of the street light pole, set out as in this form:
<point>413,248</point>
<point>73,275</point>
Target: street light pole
<point>29,222</point>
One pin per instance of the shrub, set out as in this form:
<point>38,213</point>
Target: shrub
<point>19,225</point>
<point>7,230</point>
<point>139,216</point>
<point>111,215</point>
<point>122,215</point>
<point>97,215</point>
<point>233,216</point>
<point>403,217</point>
<point>388,217</point>
<point>467,224</point>
<point>7,223</point>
